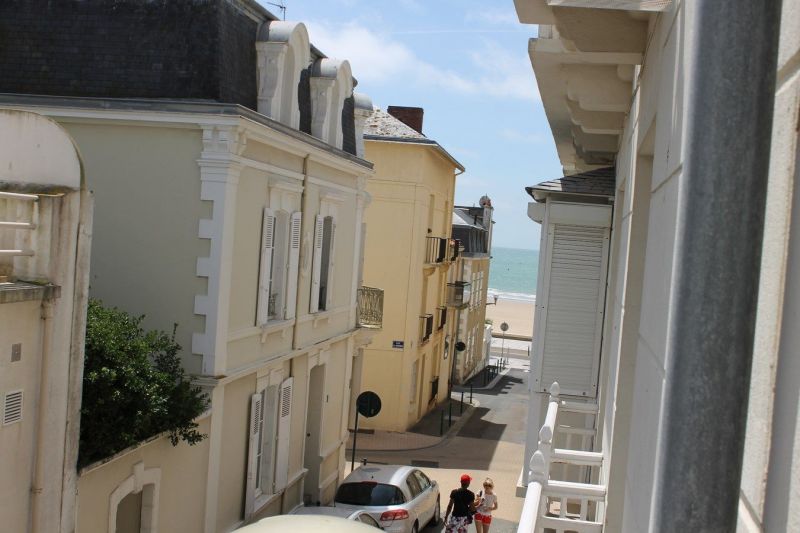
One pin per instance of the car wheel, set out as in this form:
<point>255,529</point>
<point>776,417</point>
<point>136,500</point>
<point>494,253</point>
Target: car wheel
<point>437,514</point>
<point>415,528</point>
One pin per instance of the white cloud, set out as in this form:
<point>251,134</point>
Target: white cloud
<point>379,59</point>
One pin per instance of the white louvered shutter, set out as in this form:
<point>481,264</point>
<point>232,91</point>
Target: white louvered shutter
<point>253,452</point>
<point>294,262</point>
<point>284,432</point>
<point>575,288</point>
<point>331,263</point>
<point>319,229</point>
<point>265,268</point>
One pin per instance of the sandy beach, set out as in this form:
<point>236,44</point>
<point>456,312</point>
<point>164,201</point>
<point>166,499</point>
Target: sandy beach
<point>518,315</point>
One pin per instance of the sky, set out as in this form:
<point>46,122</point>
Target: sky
<point>466,63</point>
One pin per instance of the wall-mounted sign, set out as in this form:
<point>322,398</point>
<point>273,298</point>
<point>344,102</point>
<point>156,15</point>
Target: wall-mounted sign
<point>398,344</point>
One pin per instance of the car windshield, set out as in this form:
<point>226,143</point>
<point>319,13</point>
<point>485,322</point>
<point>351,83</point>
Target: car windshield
<point>369,493</point>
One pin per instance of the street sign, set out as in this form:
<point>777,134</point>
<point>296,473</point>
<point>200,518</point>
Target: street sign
<point>504,326</point>
<point>398,344</point>
<point>368,404</point>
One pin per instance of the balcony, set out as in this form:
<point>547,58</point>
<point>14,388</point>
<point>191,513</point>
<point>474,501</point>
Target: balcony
<point>370,308</point>
<point>570,503</point>
<point>455,249</point>
<point>426,328</point>
<point>459,294</point>
<point>436,250</point>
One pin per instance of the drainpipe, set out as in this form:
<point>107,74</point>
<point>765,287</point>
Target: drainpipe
<point>717,261</point>
<point>303,253</point>
<point>39,511</point>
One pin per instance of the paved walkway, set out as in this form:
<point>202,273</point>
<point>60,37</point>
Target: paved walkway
<point>489,440</point>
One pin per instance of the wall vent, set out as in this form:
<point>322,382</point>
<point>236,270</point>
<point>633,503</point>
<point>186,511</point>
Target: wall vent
<point>12,407</point>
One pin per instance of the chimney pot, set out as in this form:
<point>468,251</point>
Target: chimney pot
<point>410,116</point>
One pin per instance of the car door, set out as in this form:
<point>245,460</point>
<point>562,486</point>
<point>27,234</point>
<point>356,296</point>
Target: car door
<point>417,503</point>
<point>428,493</point>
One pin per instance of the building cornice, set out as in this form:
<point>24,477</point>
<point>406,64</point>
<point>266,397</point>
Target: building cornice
<point>185,113</point>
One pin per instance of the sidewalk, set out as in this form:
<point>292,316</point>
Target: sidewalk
<point>442,422</point>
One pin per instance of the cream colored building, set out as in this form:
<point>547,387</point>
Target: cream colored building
<point>472,230</point>
<point>45,236</point>
<point>245,231</point>
<point>408,252</point>
<point>655,306</point>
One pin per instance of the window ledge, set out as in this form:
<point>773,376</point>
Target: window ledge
<point>278,325</point>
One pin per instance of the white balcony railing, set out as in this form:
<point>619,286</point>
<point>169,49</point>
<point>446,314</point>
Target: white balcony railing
<point>558,505</point>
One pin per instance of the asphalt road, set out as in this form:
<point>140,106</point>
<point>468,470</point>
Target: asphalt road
<point>490,443</point>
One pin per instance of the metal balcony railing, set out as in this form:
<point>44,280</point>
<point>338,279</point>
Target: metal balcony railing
<point>458,294</point>
<point>561,505</point>
<point>442,316</point>
<point>436,250</point>
<point>426,327</point>
<point>455,249</point>
<point>370,307</point>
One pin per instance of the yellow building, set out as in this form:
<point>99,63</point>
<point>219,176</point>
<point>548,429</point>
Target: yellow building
<point>472,229</point>
<point>408,251</point>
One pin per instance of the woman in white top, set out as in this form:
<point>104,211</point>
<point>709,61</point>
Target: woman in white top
<point>486,502</point>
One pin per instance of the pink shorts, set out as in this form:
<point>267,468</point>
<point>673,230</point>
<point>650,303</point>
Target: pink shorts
<point>483,518</point>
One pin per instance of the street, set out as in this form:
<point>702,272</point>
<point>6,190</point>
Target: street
<point>491,443</point>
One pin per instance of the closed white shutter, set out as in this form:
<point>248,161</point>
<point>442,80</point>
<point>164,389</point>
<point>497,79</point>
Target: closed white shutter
<point>265,268</point>
<point>331,263</point>
<point>319,229</point>
<point>575,288</point>
<point>294,261</point>
<point>284,431</point>
<point>253,452</point>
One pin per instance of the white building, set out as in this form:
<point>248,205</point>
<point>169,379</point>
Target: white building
<point>679,293</point>
<point>243,226</point>
<point>45,236</point>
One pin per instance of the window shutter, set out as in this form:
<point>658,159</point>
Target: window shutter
<point>284,431</point>
<point>319,227</point>
<point>254,428</point>
<point>265,270</point>
<point>294,261</point>
<point>574,301</point>
<point>331,262</point>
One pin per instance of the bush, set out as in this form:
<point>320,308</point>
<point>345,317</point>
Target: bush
<point>134,386</point>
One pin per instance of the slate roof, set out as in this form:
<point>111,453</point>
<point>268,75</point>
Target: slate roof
<point>382,124</point>
<point>598,183</point>
<point>463,218</point>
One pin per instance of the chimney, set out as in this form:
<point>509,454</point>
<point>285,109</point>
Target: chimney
<point>410,116</point>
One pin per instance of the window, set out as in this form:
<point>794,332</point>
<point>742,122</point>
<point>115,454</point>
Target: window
<point>280,254</point>
<point>369,493</point>
<point>413,486</point>
<point>267,465</point>
<point>422,479</point>
<point>322,271</point>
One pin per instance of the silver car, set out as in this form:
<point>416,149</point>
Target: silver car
<point>358,515</point>
<point>401,498</point>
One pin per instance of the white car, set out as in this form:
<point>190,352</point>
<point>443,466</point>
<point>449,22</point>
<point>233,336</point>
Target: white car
<point>402,498</point>
<point>306,524</point>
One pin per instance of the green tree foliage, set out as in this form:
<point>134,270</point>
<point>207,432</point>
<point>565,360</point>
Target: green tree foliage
<point>134,386</point>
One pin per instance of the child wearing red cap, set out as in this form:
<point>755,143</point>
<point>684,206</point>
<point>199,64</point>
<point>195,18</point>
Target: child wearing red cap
<point>462,504</point>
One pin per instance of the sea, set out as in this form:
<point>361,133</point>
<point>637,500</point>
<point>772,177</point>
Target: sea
<point>513,273</point>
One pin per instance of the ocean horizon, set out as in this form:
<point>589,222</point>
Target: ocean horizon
<point>513,273</point>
